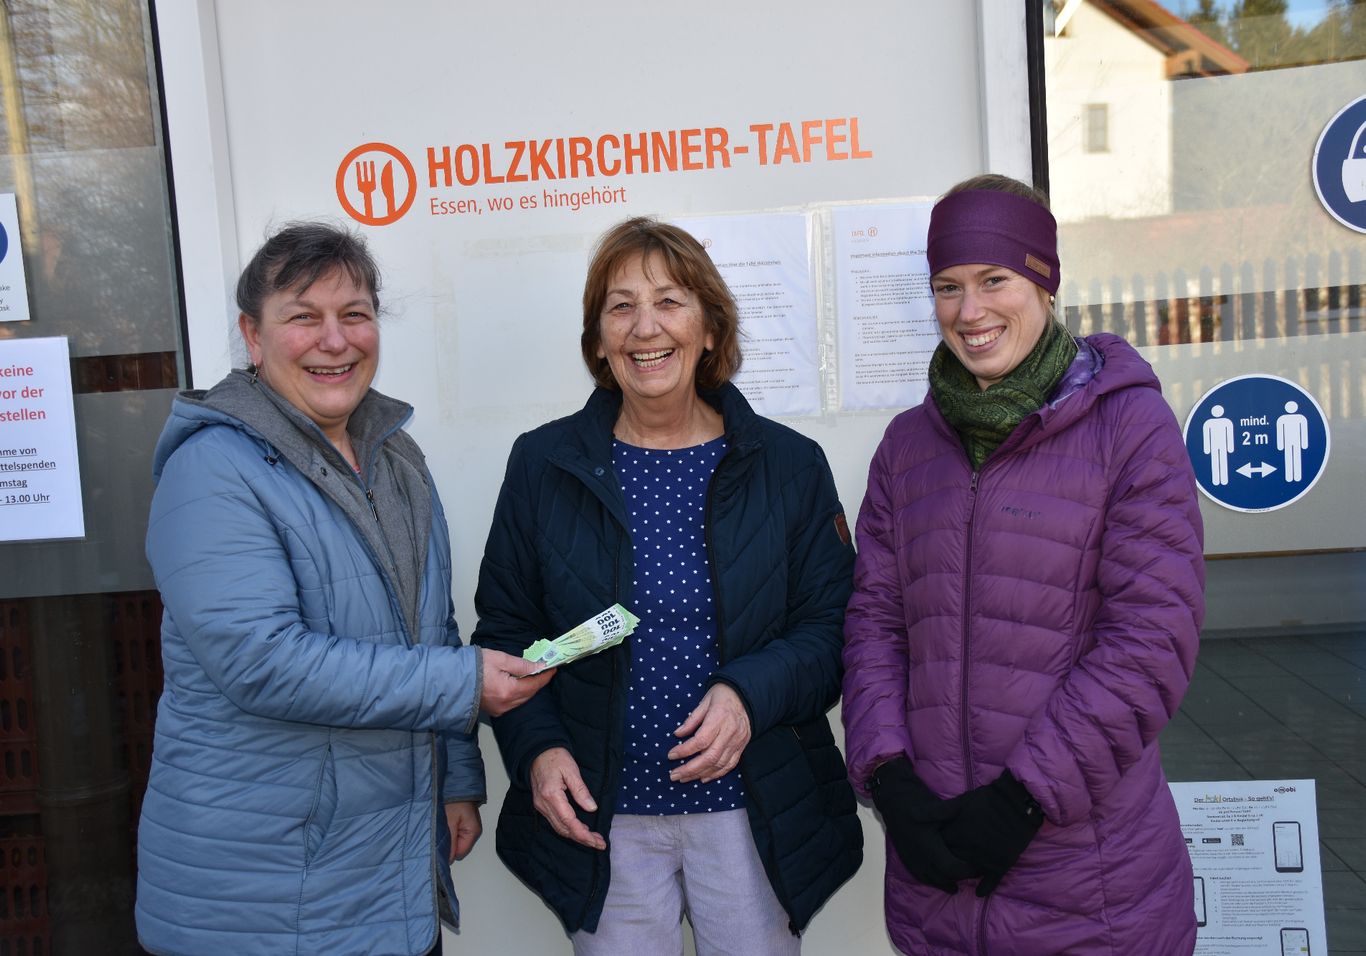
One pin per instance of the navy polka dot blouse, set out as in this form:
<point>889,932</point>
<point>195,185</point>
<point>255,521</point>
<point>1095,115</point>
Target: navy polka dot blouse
<point>673,649</point>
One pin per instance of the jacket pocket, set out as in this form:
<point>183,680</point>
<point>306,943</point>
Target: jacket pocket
<point>324,807</point>
<point>826,766</point>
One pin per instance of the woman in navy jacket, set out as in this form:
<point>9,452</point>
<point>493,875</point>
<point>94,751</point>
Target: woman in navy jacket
<point>692,767</point>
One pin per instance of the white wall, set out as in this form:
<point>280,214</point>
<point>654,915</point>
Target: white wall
<point>482,338</point>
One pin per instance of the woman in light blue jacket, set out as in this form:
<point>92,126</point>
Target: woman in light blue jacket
<point>315,768</point>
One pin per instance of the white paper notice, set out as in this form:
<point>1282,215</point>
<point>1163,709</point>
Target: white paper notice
<point>1254,846</point>
<point>766,262</point>
<point>40,478</point>
<point>885,311</point>
<point>13,287</point>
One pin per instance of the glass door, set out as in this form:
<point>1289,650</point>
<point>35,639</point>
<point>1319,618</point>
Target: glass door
<point>80,667</point>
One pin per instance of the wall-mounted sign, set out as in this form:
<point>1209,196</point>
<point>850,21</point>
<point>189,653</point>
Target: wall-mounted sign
<point>1257,442</point>
<point>1254,848</point>
<point>570,173</point>
<point>40,477</point>
<point>766,264</point>
<point>1340,166</point>
<point>885,309</point>
<point>13,287</point>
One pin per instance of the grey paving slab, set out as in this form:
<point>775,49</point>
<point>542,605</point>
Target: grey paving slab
<point>1328,860</point>
<point>1344,890</point>
<point>1335,822</point>
<point>1307,660</point>
<point>1241,663</point>
<point>1346,926</point>
<point>1263,746</point>
<point>1353,650</point>
<point>1338,790</point>
<point>1352,852</point>
<point>1206,771</point>
<point>1288,766</point>
<point>1223,713</point>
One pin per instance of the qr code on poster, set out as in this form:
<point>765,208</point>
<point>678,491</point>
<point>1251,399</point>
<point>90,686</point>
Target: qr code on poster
<point>1237,839</point>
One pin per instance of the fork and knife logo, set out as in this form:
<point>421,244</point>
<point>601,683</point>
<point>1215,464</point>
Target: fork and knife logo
<point>365,182</point>
<point>370,167</point>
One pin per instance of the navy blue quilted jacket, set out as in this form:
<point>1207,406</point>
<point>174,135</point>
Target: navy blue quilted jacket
<point>781,564</point>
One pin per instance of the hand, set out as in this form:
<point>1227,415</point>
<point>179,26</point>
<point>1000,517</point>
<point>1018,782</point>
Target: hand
<point>993,826</point>
<point>504,684</point>
<point>462,818</point>
<point>719,730</point>
<point>914,815</point>
<point>553,774</point>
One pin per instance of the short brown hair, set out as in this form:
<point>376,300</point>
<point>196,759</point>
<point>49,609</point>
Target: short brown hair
<point>687,264</point>
<point>996,183</point>
<point>299,254</point>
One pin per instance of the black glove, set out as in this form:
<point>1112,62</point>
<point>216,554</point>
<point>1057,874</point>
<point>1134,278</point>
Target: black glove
<point>993,826</point>
<point>913,816</point>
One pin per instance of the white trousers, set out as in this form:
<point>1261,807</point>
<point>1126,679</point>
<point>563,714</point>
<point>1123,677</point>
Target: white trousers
<point>701,864</point>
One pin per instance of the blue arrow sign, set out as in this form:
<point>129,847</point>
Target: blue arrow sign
<point>1257,442</point>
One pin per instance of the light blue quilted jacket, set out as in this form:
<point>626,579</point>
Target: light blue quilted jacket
<point>307,735</point>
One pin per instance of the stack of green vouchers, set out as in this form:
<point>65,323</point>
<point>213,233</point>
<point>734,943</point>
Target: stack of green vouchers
<point>598,633</point>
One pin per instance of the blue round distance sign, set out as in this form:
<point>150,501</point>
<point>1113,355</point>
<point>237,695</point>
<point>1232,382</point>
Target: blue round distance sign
<point>1257,443</point>
<point>1339,166</point>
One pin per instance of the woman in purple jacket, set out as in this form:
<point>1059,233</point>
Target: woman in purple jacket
<point>1027,605</point>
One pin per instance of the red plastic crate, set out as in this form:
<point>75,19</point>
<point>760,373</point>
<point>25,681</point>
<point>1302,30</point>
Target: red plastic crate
<point>25,924</point>
<point>18,731</point>
<point>136,634</point>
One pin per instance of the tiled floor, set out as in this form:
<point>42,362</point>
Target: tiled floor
<point>1277,708</point>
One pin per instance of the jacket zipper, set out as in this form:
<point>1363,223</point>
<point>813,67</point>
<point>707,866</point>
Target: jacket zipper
<point>968,771</point>
<point>606,744</point>
<point>751,798</point>
<point>409,639</point>
<point>982,927</point>
<point>432,737</point>
<point>437,809</point>
<point>966,638</point>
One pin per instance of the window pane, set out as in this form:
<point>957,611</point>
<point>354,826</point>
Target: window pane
<point>80,660</point>
<point>1097,128</point>
<point>1198,235</point>
<point>1186,210</point>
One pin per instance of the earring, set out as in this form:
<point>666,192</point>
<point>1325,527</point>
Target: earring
<point>255,371</point>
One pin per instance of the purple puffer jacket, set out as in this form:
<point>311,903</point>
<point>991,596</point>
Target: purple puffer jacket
<point>1042,615</point>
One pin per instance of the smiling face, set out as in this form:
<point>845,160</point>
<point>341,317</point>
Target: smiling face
<point>317,347</point>
<point>991,317</point>
<point>652,334</point>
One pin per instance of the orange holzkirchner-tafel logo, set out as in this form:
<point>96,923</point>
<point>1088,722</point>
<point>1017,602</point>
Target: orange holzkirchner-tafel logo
<point>376,184</point>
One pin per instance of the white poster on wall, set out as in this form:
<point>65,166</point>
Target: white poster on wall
<point>40,477</point>
<point>766,262</point>
<point>13,286</point>
<point>884,307</point>
<point>1254,847</point>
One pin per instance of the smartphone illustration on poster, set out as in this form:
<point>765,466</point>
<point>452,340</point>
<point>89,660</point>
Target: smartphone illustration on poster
<point>1200,901</point>
<point>1294,941</point>
<point>1286,847</point>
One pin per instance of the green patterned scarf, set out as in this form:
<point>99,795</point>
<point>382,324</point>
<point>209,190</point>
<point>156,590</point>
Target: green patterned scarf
<point>984,419</point>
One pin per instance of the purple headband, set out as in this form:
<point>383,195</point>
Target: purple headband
<point>1001,229</point>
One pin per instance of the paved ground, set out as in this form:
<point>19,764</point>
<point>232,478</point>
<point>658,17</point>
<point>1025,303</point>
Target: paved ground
<point>1277,708</point>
